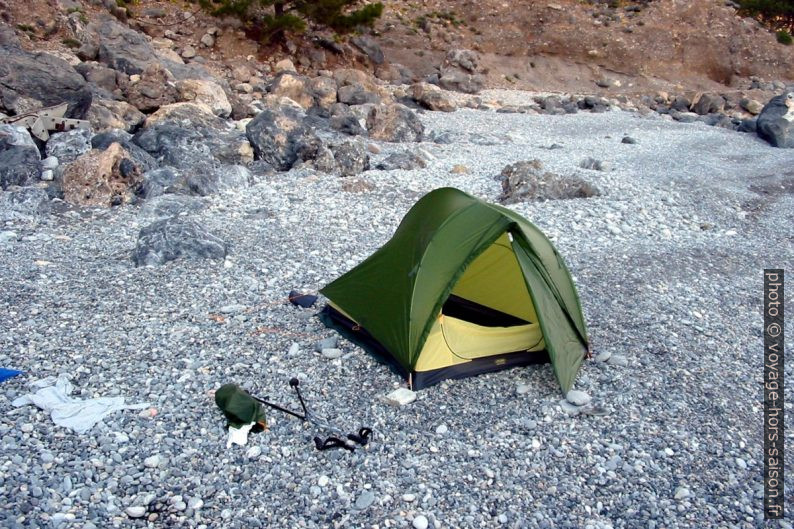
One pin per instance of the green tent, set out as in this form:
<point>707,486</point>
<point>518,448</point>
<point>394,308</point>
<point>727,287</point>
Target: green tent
<point>463,287</point>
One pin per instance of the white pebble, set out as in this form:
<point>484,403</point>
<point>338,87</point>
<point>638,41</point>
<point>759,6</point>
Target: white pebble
<point>420,522</point>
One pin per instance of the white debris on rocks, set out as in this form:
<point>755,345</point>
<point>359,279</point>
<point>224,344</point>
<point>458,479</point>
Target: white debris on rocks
<point>401,397</point>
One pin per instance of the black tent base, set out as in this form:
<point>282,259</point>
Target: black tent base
<point>334,319</point>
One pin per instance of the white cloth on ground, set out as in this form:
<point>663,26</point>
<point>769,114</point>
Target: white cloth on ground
<point>80,415</point>
<point>239,436</point>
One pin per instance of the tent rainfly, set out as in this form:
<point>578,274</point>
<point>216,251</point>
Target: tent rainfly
<point>463,287</point>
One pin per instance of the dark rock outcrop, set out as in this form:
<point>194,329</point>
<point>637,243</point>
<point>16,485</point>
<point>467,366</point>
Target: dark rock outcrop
<point>405,160</point>
<point>29,81</point>
<point>173,238</point>
<point>527,180</point>
<point>775,124</point>
<point>275,134</point>
<point>20,160</point>
<point>394,123</point>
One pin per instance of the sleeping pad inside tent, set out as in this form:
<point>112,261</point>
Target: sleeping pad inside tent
<point>463,287</point>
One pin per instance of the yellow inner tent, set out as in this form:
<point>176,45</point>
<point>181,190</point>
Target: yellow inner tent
<point>494,280</point>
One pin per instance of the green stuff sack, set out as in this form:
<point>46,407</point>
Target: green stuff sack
<point>240,408</point>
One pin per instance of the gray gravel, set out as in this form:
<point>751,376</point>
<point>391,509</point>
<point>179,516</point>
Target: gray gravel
<point>668,261</point>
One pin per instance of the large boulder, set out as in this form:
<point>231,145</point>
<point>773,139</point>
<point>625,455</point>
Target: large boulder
<point>357,94</point>
<point>29,81</point>
<point>432,97</point>
<point>709,104</point>
<point>323,90</point>
<point>527,180</point>
<point>102,178</point>
<point>466,60</point>
<point>394,73</point>
<point>99,75</point>
<point>106,114</point>
<point>189,136</point>
<point>68,146</point>
<point>369,47</point>
<point>206,92</point>
<point>275,134</point>
<point>404,160</point>
<point>173,238</point>
<point>460,81</point>
<point>155,89</point>
<point>121,47</point>
<point>461,72</point>
<point>20,160</point>
<point>394,123</point>
<point>294,86</point>
<point>105,139</point>
<point>775,124</point>
<point>351,158</point>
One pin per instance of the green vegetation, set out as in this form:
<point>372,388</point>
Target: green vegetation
<point>273,20</point>
<point>71,43</point>
<point>26,27</point>
<point>777,14</point>
<point>784,37</point>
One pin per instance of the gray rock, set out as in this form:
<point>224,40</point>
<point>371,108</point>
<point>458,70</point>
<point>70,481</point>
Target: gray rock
<point>523,389</point>
<point>103,81</point>
<point>275,134</point>
<point>200,145</point>
<point>332,354</point>
<point>442,429</point>
<point>527,180</point>
<point>162,181</point>
<point>752,106</point>
<point>137,511</point>
<point>67,146</point>
<point>467,60</point>
<point>154,89</point>
<point>351,158</point>
<point>459,81</point>
<point>347,124</point>
<point>578,398</point>
<point>326,343</point>
<point>195,503</point>
<point>603,357</point>
<point>775,124</point>
<point>141,158</point>
<point>152,461</point>
<point>404,160</point>
<point>681,104</point>
<point>106,114</point>
<point>357,94</point>
<point>595,165</point>
<point>49,163</point>
<point>618,360</point>
<point>420,522</point>
<point>29,81</point>
<point>682,493</point>
<point>20,161</point>
<point>432,97</point>
<point>628,140</point>
<point>370,47</point>
<point>174,238</point>
<point>709,104</point>
<point>394,123</point>
<point>364,500</point>
<point>121,47</point>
